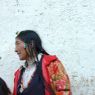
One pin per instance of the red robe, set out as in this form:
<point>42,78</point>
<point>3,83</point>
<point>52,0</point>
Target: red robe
<point>54,75</point>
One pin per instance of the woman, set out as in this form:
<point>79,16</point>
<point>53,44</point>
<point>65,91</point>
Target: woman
<point>4,90</point>
<point>42,74</point>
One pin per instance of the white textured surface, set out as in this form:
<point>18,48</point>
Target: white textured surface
<point>67,28</point>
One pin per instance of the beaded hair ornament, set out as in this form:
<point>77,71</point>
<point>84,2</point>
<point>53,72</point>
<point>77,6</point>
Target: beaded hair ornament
<point>17,33</point>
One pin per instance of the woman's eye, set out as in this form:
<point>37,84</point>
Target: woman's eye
<point>17,43</point>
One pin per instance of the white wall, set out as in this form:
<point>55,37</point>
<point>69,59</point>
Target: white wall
<point>67,28</point>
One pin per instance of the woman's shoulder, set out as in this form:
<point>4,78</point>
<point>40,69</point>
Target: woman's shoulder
<point>49,57</point>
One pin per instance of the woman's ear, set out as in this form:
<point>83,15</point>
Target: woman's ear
<point>32,44</point>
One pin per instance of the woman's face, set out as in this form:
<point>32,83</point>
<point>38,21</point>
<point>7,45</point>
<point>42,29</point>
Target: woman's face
<point>20,49</point>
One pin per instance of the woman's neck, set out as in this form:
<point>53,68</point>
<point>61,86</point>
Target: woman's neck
<point>30,62</point>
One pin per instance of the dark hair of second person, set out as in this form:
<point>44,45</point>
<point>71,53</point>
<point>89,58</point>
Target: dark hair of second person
<point>4,90</point>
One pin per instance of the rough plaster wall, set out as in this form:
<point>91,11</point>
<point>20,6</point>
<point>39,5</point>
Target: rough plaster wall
<point>67,28</point>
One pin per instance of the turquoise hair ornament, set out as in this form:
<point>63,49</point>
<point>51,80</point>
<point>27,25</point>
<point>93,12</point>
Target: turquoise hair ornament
<point>25,45</point>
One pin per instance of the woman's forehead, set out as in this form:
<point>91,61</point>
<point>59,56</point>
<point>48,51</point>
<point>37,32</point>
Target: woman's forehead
<point>18,40</point>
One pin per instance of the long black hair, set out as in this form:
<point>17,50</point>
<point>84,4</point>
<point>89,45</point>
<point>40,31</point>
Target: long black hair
<point>4,90</point>
<point>32,41</point>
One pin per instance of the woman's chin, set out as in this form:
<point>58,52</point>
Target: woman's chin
<point>21,58</point>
